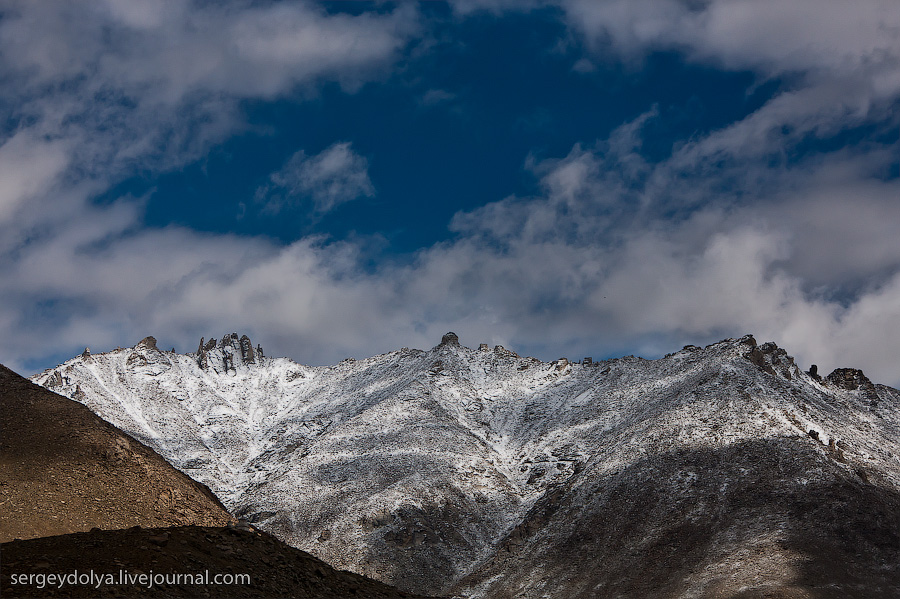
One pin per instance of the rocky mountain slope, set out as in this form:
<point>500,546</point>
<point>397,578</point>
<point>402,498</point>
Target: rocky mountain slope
<point>63,470</point>
<point>713,472</point>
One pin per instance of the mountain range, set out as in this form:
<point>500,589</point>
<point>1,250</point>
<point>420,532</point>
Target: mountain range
<point>724,471</point>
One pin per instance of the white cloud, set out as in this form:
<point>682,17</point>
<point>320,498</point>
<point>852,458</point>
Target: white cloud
<point>623,279</point>
<point>775,37</point>
<point>95,92</point>
<point>168,50</point>
<point>840,61</point>
<point>28,167</point>
<point>334,176</point>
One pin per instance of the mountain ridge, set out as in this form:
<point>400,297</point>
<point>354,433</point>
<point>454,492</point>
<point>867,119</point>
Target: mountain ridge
<point>417,467</point>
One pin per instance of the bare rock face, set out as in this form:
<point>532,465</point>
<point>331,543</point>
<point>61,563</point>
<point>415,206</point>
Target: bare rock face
<point>202,359</point>
<point>247,350</point>
<point>770,358</point>
<point>63,470</point>
<point>853,379</point>
<point>148,342</point>
<point>763,518</point>
<point>228,353</point>
<point>450,338</point>
<point>850,379</point>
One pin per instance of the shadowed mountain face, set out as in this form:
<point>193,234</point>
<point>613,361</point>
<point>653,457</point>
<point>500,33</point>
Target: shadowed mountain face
<point>723,471</point>
<point>767,518</point>
<point>63,469</point>
<point>274,569</point>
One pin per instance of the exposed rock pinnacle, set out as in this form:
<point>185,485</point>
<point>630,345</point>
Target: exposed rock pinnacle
<point>450,339</point>
<point>149,342</point>
<point>247,350</point>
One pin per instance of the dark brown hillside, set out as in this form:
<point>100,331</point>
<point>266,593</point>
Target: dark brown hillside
<point>63,470</point>
<point>275,569</point>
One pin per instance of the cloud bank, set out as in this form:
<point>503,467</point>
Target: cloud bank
<point>736,231</point>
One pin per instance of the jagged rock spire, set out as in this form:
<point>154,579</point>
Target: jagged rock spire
<point>247,350</point>
<point>233,351</point>
<point>202,359</point>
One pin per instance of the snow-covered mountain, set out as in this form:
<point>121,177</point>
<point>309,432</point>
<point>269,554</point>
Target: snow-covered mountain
<point>482,473</point>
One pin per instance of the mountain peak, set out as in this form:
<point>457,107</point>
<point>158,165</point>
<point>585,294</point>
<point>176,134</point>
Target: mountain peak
<point>450,338</point>
<point>148,342</point>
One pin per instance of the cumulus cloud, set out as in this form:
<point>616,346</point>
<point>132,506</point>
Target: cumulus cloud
<point>840,62</point>
<point>335,176</point>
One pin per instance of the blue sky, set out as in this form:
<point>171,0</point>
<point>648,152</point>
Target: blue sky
<point>341,179</point>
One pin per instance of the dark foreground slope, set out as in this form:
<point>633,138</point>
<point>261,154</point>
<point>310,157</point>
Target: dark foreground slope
<point>274,569</point>
<point>771,518</point>
<point>63,469</point>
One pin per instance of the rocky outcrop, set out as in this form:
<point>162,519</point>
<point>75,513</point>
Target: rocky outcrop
<point>229,340</point>
<point>247,350</point>
<point>202,358</point>
<point>850,379</point>
<point>853,379</point>
<point>770,358</point>
<point>148,342</point>
<point>450,338</point>
<point>230,352</point>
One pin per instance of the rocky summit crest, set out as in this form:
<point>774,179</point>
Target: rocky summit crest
<point>450,338</point>
<point>228,353</point>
